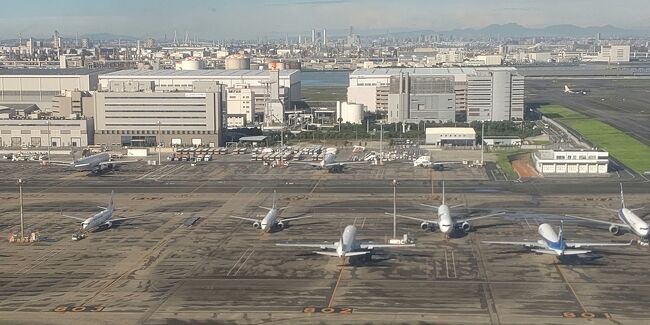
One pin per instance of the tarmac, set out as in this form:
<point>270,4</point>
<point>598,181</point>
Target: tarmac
<point>154,269</point>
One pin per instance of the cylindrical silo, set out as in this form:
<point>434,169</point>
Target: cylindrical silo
<point>192,64</point>
<point>238,62</point>
<point>352,113</point>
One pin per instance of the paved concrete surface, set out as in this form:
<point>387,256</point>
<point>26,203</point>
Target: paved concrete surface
<point>155,270</point>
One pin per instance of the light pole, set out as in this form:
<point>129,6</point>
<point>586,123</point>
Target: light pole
<point>20,196</point>
<point>381,137</point>
<point>395,183</point>
<point>158,142</point>
<point>482,141</point>
<point>49,142</point>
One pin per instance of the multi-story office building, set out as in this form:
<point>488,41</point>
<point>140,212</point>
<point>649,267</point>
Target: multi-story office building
<point>240,105</point>
<point>133,114</point>
<point>492,94</point>
<point>421,98</point>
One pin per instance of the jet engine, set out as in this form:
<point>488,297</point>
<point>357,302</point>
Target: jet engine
<point>614,229</point>
<point>108,224</point>
<point>426,226</point>
<point>281,225</point>
<point>466,226</point>
<point>256,225</point>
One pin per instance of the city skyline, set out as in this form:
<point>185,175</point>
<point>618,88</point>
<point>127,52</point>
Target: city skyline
<point>228,20</point>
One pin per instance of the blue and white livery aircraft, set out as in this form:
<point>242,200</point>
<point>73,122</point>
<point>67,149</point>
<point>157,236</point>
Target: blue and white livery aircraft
<point>629,221</point>
<point>554,243</point>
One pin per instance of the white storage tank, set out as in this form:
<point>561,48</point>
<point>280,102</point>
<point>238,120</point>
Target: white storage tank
<point>350,112</point>
<point>190,64</point>
<point>238,62</point>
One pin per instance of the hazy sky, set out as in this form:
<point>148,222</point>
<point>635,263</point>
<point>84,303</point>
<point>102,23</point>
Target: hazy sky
<point>219,19</point>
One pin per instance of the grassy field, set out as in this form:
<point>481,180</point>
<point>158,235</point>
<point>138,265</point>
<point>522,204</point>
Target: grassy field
<point>504,160</point>
<point>631,152</point>
<point>324,94</point>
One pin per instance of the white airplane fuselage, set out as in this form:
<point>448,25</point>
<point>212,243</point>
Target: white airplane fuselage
<point>270,220</point>
<point>551,239</point>
<point>348,241</point>
<point>637,225</point>
<point>445,221</point>
<point>92,162</point>
<point>329,158</point>
<point>98,220</point>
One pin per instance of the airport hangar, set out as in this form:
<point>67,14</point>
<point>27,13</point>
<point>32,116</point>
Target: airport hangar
<point>39,86</point>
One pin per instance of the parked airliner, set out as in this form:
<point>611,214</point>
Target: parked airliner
<point>446,223</point>
<point>329,162</point>
<point>271,220</point>
<point>346,246</point>
<point>630,221</point>
<point>554,243</point>
<point>100,220</point>
<point>96,163</point>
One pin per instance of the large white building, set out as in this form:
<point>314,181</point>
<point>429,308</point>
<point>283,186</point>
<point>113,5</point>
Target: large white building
<point>262,82</point>
<point>552,162</point>
<point>447,136</point>
<point>490,94</point>
<point>39,86</point>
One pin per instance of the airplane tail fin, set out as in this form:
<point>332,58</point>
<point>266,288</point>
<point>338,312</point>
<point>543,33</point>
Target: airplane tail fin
<point>566,89</point>
<point>560,234</point>
<point>274,195</point>
<point>622,197</point>
<point>443,192</point>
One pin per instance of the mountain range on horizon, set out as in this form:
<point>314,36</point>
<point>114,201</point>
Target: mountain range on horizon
<point>509,30</point>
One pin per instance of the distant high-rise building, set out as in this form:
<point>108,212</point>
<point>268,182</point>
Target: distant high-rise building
<point>56,40</point>
<point>150,43</point>
<point>86,43</point>
<point>324,37</point>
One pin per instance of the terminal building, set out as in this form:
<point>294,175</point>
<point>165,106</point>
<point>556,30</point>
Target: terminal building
<point>561,162</point>
<point>447,136</point>
<point>39,86</point>
<point>432,94</point>
<point>132,113</point>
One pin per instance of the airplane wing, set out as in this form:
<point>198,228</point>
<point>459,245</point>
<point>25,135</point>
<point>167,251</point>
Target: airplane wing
<point>480,217</point>
<point>620,225</point>
<point>312,164</point>
<point>311,245</point>
<point>372,246</point>
<point>343,163</point>
<point>414,218</point>
<point>575,251</point>
<point>294,218</point>
<point>125,218</point>
<point>429,206</point>
<point>527,244</point>
<point>117,162</point>
<point>446,162</point>
<point>60,163</point>
<point>244,218</point>
<point>578,245</point>
<point>73,217</point>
